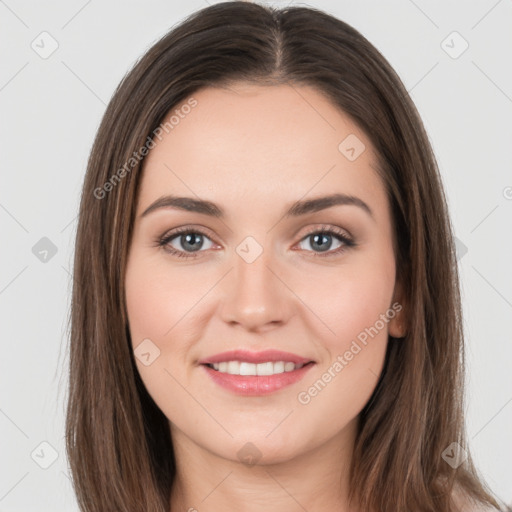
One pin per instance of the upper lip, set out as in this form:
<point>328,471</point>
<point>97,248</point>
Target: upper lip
<point>255,357</point>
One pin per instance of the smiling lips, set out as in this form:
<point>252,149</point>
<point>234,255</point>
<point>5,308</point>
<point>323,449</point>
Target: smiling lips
<point>256,373</point>
<point>244,368</point>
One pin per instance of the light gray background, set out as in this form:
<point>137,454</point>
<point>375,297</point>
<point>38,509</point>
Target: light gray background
<point>51,108</point>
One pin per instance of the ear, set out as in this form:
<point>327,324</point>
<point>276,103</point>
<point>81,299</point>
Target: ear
<point>397,327</point>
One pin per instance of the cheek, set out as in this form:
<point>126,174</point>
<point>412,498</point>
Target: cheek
<point>354,354</point>
<point>356,307</point>
<point>157,297</point>
<point>156,312</point>
<point>359,304</point>
<point>349,300</point>
<point>151,296</point>
<point>148,311</point>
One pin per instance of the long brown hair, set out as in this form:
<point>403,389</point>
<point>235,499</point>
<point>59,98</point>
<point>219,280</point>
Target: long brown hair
<point>118,441</point>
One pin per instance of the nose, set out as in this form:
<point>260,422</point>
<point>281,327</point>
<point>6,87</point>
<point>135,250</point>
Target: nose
<point>256,298</point>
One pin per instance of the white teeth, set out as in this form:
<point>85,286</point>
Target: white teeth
<point>288,367</point>
<point>243,368</point>
<point>247,368</point>
<point>265,368</point>
<point>279,367</point>
<point>233,368</point>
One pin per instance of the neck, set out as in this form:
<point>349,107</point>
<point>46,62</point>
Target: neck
<point>315,480</point>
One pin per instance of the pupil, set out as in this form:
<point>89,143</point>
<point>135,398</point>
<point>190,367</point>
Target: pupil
<point>189,239</point>
<point>322,237</point>
<point>194,241</point>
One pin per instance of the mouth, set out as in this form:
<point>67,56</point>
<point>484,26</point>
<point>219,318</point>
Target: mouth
<point>256,374</point>
<point>267,368</point>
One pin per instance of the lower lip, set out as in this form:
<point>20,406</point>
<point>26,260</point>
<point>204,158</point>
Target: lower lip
<point>256,385</point>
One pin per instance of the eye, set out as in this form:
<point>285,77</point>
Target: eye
<point>190,240</point>
<point>321,241</point>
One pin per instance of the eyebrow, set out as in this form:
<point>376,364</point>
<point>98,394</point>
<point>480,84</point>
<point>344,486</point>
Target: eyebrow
<point>297,209</point>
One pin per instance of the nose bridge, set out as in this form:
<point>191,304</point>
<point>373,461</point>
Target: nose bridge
<point>256,297</point>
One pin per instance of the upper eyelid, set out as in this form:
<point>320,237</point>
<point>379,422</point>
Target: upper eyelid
<point>176,232</point>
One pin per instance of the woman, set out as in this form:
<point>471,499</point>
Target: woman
<point>266,308</point>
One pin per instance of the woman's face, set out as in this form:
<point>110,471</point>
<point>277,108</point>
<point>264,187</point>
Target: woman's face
<point>260,272</point>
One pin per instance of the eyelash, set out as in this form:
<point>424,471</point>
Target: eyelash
<point>348,242</point>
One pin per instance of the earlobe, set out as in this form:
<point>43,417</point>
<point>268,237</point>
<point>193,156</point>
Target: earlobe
<point>397,324</point>
<point>396,328</point>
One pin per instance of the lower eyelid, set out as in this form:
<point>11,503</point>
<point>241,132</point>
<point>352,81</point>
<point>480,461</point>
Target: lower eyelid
<point>346,241</point>
<point>166,242</point>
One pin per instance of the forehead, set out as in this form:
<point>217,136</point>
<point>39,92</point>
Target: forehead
<point>274,143</point>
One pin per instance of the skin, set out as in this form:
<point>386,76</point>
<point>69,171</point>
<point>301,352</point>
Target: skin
<point>254,151</point>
